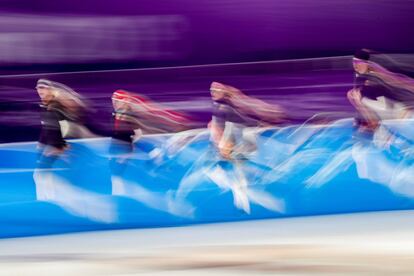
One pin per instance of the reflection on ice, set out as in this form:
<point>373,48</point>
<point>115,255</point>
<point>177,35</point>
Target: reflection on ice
<point>339,163</point>
<point>376,165</point>
<point>155,200</point>
<point>75,200</point>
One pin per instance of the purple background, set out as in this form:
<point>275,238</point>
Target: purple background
<point>209,31</point>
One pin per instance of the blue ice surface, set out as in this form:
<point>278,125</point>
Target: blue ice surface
<point>297,170</point>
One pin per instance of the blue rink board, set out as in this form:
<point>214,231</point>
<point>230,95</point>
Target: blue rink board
<point>295,171</point>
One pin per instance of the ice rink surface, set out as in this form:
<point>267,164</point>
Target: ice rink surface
<point>377,243</point>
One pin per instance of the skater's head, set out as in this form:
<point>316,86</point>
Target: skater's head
<point>120,100</point>
<point>45,90</point>
<point>223,92</point>
<point>218,91</point>
<point>360,61</point>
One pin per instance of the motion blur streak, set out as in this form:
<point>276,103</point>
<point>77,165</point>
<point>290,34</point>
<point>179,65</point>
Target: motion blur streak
<point>50,39</point>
